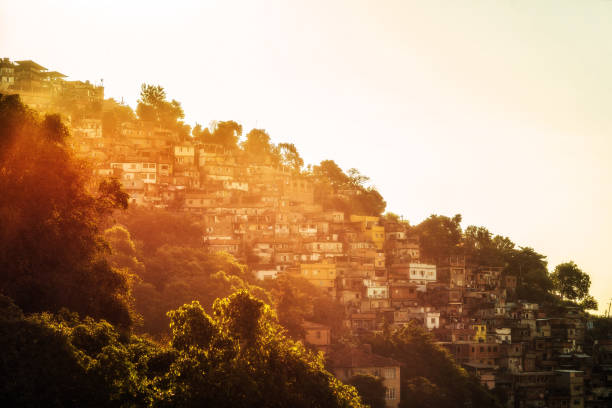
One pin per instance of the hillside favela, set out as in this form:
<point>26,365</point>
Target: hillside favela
<point>148,263</point>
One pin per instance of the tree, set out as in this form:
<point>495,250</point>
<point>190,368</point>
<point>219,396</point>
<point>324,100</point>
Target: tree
<point>391,217</point>
<point>369,202</point>
<point>570,281</point>
<point>365,200</point>
<point>76,110</point>
<point>114,116</point>
<point>290,157</point>
<point>428,373</point>
<point>180,275</point>
<point>257,145</point>
<point>423,393</point>
<point>51,251</point>
<point>533,280</point>
<point>356,178</point>
<point>370,388</point>
<point>330,172</point>
<point>239,357</point>
<point>201,135</point>
<point>152,99</point>
<point>589,303</point>
<point>236,357</point>
<point>227,134</point>
<point>153,228</point>
<point>124,254</point>
<point>171,275</point>
<point>153,107</point>
<point>440,236</point>
<point>485,249</point>
<point>63,361</point>
<point>296,300</point>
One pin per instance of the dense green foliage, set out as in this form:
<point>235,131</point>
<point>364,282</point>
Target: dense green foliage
<point>370,388</point>
<point>153,228</point>
<point>430,377</point>
<point>153,107</point>
<point>238,357</point>
<point>114,114</point>
<point>171,275</point>
<point>570,281</point>
<point>51,255</point>
<point>63,361</point>
<point>290,157</point>
<point>297,300</point>
<point>257,146</point>
<point>440,237</point>
<point>332,186</point>
<point>224,133</point>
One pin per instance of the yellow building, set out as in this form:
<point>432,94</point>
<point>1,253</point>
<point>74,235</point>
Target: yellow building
<point>480,332</point>
<point>367,221</point>
<point>370,229</point>
<point>322,275</point>
<point>377,236</point>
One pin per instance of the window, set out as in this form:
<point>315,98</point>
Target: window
<point>390,393</point>
<point>390,372</point>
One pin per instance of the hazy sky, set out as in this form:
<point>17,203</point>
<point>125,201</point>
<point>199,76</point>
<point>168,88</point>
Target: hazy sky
<point>498,110</point>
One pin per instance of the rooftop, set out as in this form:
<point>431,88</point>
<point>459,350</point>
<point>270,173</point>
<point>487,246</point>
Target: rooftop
<point>31,64</point>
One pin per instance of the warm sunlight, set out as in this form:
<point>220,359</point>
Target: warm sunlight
<point>421,190</point>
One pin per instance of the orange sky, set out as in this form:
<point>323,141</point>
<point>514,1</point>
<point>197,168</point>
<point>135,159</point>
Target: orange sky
<point>498,110</point>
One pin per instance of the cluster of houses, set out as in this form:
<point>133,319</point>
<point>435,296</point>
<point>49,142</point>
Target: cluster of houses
<point>41,88</point>
<point>267,216</point>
